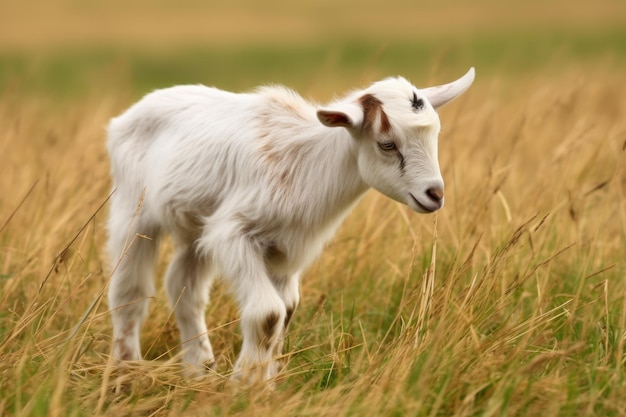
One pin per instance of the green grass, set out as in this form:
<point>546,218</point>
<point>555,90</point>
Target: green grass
<point>63,73</point>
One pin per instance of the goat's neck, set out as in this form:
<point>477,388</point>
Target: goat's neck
<point>331,182</point>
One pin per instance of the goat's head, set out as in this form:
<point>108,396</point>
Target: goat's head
<point>396,129</point>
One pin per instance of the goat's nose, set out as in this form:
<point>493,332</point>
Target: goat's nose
<point>435,194</point>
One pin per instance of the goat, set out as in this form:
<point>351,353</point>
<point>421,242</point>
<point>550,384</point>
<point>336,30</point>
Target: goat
<point>250,187</point>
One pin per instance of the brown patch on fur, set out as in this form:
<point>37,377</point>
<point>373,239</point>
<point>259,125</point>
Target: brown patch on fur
<point>268,328</point>
<point>270,322</point>
<point>282,111</point>
<point>292,107</point>
<point>283,178</point>
<point>123,350</point>
<point>283,162</point>
<point>290,311</point>
<point>274,255</point>
<point>269,154</point>
<point>373,111</point>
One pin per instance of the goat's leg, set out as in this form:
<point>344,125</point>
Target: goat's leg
<point>289,291</point>
<point>133,247</point>
<point>188,281</point>
<point>263,312</point>
<point>262,319</point>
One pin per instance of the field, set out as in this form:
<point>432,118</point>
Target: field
<point>509,301</point>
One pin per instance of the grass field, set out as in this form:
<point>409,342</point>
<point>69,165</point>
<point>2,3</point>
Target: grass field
<point>509,301</point>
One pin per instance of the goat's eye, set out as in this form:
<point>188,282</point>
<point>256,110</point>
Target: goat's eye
<point>417,103</point>
<point>387,146</point>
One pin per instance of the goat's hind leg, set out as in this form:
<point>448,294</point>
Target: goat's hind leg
<point>133,246</point>
<point>188,281</point>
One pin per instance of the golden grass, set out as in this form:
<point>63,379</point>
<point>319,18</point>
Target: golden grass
<point>510,301</point>
<point>36,24</point>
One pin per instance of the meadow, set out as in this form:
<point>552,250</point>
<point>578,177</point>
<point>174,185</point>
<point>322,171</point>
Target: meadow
<point>509,301</point>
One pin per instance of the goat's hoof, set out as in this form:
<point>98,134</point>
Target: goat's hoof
<point>200,370</point>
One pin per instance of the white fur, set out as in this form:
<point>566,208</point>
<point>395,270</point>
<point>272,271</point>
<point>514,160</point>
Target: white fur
<point>251,186</point>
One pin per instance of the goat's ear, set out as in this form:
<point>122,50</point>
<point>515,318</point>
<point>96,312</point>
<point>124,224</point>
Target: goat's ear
<point>341,115</point>
<point>443,94</point>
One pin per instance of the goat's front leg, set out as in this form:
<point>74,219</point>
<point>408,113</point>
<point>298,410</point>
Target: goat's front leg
<point>262,319</point>
<point>288,289</point>
<point>263,312</point>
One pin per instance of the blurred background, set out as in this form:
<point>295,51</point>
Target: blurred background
<point>68,47</point>
<point>525,313</point>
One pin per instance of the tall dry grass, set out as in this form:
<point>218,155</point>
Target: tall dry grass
<point>510,301</point>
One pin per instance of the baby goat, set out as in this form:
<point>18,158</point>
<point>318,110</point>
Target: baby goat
<point>250,187</point>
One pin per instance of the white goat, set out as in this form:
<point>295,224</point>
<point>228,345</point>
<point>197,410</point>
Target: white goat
<point>251,186</point>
